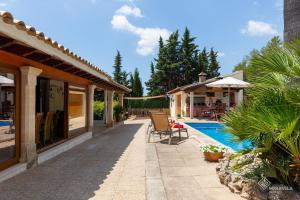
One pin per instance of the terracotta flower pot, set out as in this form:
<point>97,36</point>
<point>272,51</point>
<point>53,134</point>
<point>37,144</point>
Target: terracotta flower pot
<point>212,156</point>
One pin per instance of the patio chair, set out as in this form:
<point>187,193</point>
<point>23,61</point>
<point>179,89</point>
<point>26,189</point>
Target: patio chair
<point>38,124</point>
<point>48,126</point>
<point>161,125</point>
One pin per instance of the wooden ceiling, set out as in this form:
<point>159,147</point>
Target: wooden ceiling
<point>10,45</point>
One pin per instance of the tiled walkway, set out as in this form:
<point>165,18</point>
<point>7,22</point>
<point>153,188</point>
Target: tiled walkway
<point>120,165</point>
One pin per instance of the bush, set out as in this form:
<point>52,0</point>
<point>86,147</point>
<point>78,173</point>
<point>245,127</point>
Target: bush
<point>270,119</point>
<point>98,110</point>
<point>118,111</point>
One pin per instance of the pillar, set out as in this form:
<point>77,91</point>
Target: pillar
<point>191,105</point>
<point>121,99</point>
<point>28,103</point>
<point>91,91</point>
<point>183,104</point>
<point>105,107</point>
<point>109,107</point>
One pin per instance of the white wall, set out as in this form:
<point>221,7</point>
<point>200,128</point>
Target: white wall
<point>173,105</point>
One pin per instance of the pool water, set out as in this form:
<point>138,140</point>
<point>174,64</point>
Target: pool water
<point>216,131</point>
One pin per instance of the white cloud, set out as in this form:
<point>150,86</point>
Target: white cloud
<point>2,4</point>
<point>148,37</point>
<point>93,1</point>
<point>221,54</point>
<point>258,28</point>
<point>127,10</point>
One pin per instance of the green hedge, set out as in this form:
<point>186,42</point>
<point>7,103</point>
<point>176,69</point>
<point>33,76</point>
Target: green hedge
<point>149,103</point>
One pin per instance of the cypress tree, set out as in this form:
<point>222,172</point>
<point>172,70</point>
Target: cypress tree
<point>118,68</point>
<point>213,64</point>
<point>152,68</point>
<point>150,83</point>
<point>137,89</point>
<point>203,62</point>
<point>187,56</point>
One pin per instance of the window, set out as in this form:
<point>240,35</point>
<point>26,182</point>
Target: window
<point>8,133</point>
<point>77,109</point>
<point>50,112</point>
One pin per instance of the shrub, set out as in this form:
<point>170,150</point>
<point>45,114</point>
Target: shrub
<point>98,110</point>
<point>270,119</point>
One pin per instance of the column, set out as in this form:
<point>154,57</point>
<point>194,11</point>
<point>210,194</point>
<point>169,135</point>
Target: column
<point>28,101</point>
<point>105,107</point>
<point>121,99</point>
<point>191,105</point>
<point>110,110</point>
<point>183,105</point>
<point>91,90</point>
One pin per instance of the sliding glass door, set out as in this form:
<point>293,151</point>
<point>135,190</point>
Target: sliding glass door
<point>50,112</point>
<point>9,134</point>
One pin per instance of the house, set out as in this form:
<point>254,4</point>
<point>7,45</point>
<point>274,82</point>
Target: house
<point>188,100</point>
<point>46,94</point>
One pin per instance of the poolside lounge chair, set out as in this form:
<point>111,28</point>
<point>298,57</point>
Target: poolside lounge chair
<point>161,125</point>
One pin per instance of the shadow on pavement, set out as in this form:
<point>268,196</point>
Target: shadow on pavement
<point>75,174</point>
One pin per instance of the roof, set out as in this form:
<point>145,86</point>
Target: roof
<point>199,84</point>
<point>36,40</point>
<point>192,86</point>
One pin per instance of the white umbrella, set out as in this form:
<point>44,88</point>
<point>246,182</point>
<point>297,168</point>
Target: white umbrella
<point>229,82</point>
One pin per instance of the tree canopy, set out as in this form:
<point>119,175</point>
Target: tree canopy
<point>179,62</point>
<point>119,75</point>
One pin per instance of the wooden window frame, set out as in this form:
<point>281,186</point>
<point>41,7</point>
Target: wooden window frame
<point>15,159</point>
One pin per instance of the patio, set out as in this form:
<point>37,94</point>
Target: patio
<point>121,165</point>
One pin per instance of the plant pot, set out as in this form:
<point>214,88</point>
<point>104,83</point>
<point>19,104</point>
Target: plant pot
<point>213,156</point>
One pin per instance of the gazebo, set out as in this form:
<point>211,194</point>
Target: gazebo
<point>199,99</point>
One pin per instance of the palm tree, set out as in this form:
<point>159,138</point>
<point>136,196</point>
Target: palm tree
<point>271,117</point>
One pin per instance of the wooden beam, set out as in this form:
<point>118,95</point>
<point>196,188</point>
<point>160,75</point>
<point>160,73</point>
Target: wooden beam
<point>29,53</point>
<point>7,44</point>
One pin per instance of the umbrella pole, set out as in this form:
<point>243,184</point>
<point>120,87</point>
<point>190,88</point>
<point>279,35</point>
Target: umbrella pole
<point>228,98</point>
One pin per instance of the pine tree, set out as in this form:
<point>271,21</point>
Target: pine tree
<point>214,66</point>
<point>150,83</point>
<point>124,78</point>
<point>187,56</point>
<point>152,68</point>
<point>137,89</point>
<point>118,68</point>
<point>203,62</point>
<point>131,81</point>
<point>179,63</point>
<point>173,76</point>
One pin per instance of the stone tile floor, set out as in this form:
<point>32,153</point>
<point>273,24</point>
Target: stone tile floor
<point>121,165</point>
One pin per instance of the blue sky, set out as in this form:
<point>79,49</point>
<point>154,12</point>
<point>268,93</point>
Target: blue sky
<point>95,29</point>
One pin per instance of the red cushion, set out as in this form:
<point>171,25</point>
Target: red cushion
<point>177,126</point>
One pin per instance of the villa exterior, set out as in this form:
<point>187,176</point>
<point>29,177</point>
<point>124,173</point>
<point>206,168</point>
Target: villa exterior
<point>46,94</point>
<point>188,100</point>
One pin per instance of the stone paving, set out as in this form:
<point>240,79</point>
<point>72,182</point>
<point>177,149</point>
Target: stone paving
<point>121,165</point>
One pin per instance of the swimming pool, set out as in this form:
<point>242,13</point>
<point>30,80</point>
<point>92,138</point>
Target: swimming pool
<point>215,131</point>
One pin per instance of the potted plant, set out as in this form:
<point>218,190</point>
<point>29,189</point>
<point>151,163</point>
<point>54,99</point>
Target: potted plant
<point>213,152</point>
<point>118,112</point>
